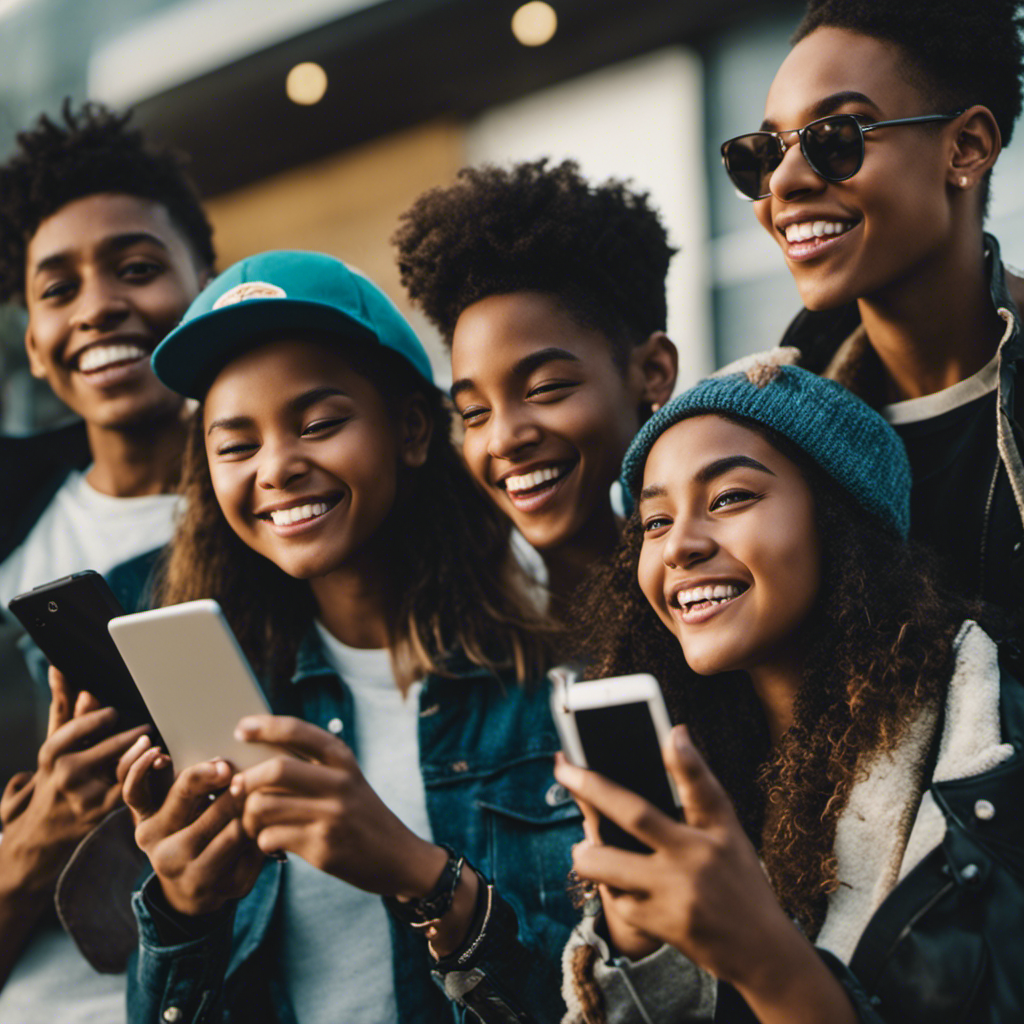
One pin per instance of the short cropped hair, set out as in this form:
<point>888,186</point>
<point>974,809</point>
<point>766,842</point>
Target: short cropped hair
<point>600,250</point>
<point>86,152</point>
<point>963,51</point>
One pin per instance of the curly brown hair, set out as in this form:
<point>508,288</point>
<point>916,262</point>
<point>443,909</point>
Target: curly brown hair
<point>455,584</point>
<point>82,153</point>
<point>879,647</point>
<point>601,250</point>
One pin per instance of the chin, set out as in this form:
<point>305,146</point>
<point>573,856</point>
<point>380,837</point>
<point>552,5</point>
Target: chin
<point>820,300</point>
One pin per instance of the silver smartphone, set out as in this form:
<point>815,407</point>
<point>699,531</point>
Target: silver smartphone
<point>195,680</point>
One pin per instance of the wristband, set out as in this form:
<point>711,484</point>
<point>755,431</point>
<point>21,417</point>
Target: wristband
<point>429,909</point>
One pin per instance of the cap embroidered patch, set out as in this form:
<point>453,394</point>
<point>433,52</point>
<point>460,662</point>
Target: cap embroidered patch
<point>250,290</point>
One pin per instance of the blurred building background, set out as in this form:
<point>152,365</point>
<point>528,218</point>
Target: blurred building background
<point>314,123</point>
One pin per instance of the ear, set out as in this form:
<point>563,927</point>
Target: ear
<point>35,364</point>
<point>975,149</point>
<point>653,366</point>
<point>416,429</point>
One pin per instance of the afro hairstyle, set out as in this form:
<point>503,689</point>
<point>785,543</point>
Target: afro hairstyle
<point>86,152</point>
<point>601,251</point>
<point>963,51</point>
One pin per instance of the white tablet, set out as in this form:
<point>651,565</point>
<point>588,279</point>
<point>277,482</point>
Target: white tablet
<point>195,680</point>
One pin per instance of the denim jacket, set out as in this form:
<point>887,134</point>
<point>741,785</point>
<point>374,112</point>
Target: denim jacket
<point>486,750</point>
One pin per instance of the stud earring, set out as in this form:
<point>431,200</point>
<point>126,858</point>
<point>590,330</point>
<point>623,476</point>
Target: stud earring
<point>964,181</point>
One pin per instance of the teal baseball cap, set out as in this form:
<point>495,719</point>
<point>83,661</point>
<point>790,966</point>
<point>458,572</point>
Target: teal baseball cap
<point>273,292</point>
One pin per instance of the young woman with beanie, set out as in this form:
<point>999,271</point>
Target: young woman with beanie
<point>372,588</point>
<point>871,171</point>
<point>847,757</point>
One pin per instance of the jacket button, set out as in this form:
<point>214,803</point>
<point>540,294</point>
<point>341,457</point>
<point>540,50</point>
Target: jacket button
<point>970,872</point>
<point>336,726</point>
<point>984,810</point>
<point>172,1014</point>
<point>556,795</point>
<point>460,766</point>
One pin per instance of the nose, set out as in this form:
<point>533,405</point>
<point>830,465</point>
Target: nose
<point>281,463</point>
<point>688,543</point>
<point>100,305</point>
<point>510,433</point>
<point>794,177</point>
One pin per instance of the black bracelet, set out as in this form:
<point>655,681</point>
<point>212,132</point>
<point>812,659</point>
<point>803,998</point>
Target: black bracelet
<point>429,909</point>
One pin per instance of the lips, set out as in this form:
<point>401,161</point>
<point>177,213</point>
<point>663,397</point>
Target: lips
<point>101,357</point>
<point>300,515</point>
<point>810,238</point>
<point>695,604</point>
<point>532,490</point>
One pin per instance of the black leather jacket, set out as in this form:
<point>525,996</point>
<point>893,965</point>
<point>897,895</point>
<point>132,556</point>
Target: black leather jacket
<point>947,945</point>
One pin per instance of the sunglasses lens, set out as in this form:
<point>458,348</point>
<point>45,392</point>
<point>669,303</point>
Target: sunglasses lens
<point>749,162</point>
<point>834,147</point>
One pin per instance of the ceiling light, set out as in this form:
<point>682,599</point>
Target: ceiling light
<point>306,84</point>
<point>534,23</point>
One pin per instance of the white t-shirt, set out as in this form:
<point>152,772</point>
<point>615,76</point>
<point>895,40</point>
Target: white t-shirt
<point>84,529</point>
<point>913,410</point>
<point>53,984</point>
<point>336,940</point>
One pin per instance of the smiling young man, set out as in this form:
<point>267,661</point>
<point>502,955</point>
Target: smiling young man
<point>550,293</point>
<point>871,171</point>
<point>104,241</point>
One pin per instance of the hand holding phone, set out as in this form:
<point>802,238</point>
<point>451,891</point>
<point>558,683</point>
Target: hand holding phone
<point>616,726</point>
<point>67,618</point>
<point>196,681</point>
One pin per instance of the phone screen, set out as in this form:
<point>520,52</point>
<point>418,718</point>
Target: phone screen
<point>620,742</point>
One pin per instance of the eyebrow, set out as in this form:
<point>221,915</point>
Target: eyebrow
<point>707,473</point>
<point>827,105</point>
<point>114,244</point>
<point>297,404</point>
<point>524,367</point>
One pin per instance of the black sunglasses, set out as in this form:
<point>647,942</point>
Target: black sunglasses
<point>832,146</point>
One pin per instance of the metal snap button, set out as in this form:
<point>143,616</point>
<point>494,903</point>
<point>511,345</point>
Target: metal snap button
<point>172,1014</point>
<point>984,810</point>
<point>970,873</point>
<point>336,726</point>
<point>460,766</point>
<point>556,795</point>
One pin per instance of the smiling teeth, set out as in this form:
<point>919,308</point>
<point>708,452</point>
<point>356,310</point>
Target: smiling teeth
<point>287,516</point>
<point>808,229</point>
<point>530,480</point>
<point>101,356</point>
<point>718,592</point>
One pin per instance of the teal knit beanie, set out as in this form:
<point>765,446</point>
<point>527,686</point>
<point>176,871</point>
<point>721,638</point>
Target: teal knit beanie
<point>834,428</point>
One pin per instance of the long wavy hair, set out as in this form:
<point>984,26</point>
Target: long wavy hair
<point>455,585</point>
<point>879,649</point>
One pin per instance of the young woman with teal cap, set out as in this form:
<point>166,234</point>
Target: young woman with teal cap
<point>848,754</point>
<point>371,587</point>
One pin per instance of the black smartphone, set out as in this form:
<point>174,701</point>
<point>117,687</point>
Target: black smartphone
<point>616,727</point>
<point>68,619</point>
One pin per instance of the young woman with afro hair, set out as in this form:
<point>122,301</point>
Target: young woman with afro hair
<point>550,293</point>
<point>871,171</point>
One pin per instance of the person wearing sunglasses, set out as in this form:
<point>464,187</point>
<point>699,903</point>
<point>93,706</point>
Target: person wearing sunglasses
<point>871,171</point>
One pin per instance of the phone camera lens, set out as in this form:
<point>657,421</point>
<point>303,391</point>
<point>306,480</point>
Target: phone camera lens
<point>51,606</point>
